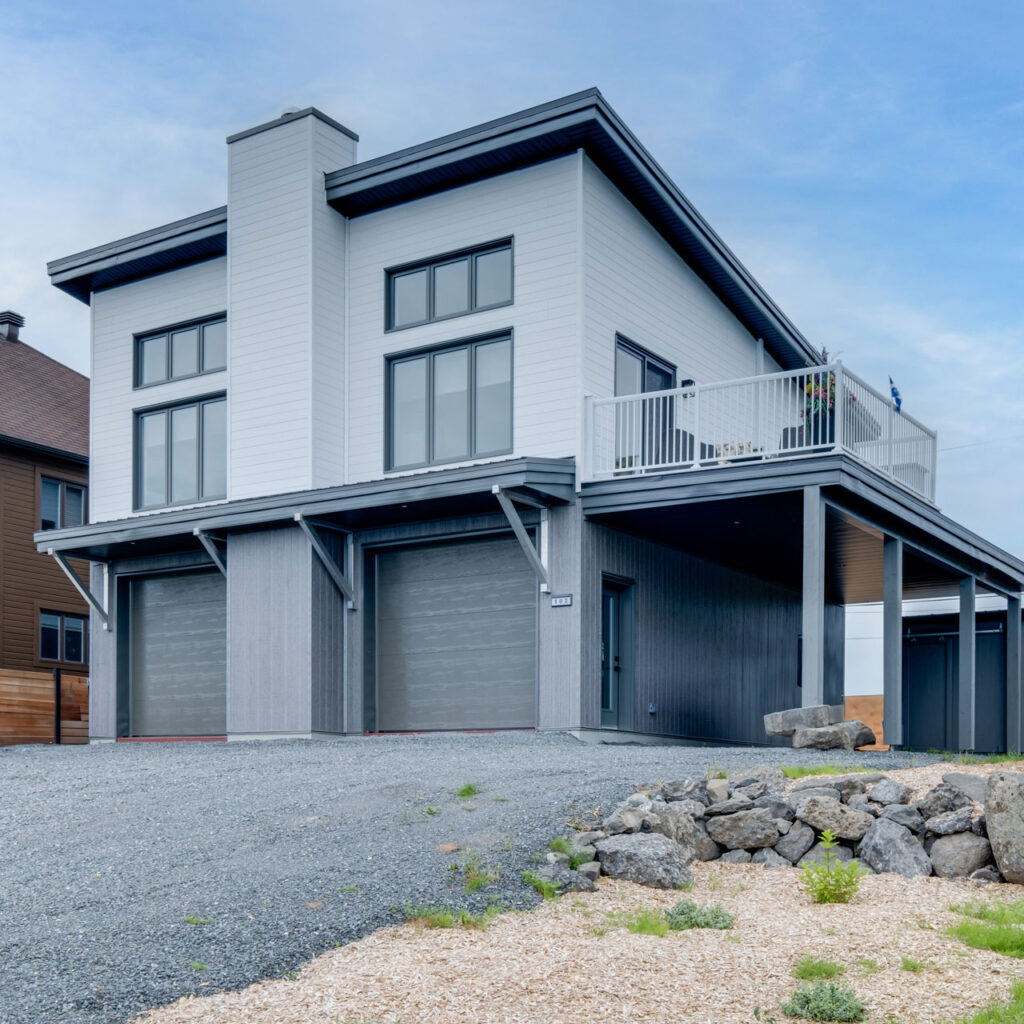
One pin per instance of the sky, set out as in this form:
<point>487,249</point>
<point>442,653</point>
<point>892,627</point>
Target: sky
<point>864,160</point>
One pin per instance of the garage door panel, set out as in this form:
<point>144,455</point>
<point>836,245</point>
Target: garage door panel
<point>178,655</point>
<point>456,637</point>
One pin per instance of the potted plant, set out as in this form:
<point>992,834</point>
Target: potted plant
<point>819,412</point>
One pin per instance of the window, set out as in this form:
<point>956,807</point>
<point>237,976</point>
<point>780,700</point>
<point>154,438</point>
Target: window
<point>61,637</point>
<point>451,285</point>
<point>60,504</point>
<point>183,351</point>
<point>450,403</point>
<point>637,371</point>
<point>181,453</point>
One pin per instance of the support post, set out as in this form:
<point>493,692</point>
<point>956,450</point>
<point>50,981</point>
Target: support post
<point>1014,730</point>
<point>892,641</point>
<point>523,537</point>
<point>966,688</point>
<point>210,545</point>
<point>331,567</point>
<point>87,594</point>
<point>813,617</point>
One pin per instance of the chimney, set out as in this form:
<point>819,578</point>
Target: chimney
<point>10,324</point>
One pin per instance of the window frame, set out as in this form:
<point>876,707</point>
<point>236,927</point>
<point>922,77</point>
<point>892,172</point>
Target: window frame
<point>45,478</point>
<point>646,356</point>
<point>61,637</point>
<point>471,344</point>
<point>430,265</point>
<point>140,338</point>
<point>199,402</point>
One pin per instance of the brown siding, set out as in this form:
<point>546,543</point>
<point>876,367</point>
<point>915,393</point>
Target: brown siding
<point>28,580</point>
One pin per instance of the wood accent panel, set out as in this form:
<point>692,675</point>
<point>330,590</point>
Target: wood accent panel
<point>27,712</point>
<point>869,710</point>
<point>29,581</point>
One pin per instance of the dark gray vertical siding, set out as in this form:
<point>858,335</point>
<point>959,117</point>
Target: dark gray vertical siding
<point>715,649</point>
<point>328,642</point>
<point>835,653</point>
<point>269,632</point>
<point>102,670</point>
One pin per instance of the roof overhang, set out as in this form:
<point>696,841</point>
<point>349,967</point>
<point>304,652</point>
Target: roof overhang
<point>581,121</point>
<point>192,240</point>
<point>415,497</point>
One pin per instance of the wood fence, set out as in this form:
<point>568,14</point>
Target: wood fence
<point>28,704</point>
<point>869,710</point>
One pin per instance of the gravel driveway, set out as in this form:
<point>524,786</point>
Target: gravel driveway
<point>276,851</point>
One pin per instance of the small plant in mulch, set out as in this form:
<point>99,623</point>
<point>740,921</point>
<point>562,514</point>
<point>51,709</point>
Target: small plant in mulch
<point>802,771</point>
<point>913,966</point>
<point>999,927</point>
<point>812,968</point>
<point>640,922</point>
<point>445,917</point>
<point>830,880</point>
<point>825,1001</point>
<point>687,914</point>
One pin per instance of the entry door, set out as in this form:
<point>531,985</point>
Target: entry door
<point>616,656</point>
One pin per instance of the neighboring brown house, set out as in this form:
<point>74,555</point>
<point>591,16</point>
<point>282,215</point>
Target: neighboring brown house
<point>44,449</point>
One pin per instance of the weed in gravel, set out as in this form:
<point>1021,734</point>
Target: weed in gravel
<point>687,914</point>
<point>477,874</point>
<point>914,966</point>
<point>948,755</point>
<point>824,1001</point>
<point>198,965</point>
<point>801,771</point>
<point>468,790</point>
<point>348,889</point>
<point>443,917</point>
<point>433,810</point>
<point>811,968</point>
<point>640,922</point>
<point>562,845</point>
<point>192,919</point>
<point>500,799</point>
<point>548,890</point>
<point>831,881</point>
<point>997,927</point>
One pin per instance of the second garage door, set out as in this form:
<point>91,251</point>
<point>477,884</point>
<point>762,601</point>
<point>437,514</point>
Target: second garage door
<point>178,661</point>
<point>456,637</point>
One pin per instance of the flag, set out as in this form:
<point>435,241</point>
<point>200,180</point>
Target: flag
<point>897,399</point>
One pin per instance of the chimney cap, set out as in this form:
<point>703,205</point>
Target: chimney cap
<point>8,316</point>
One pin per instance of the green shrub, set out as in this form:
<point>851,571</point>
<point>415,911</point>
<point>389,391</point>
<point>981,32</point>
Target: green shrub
<point>825,1001</point>
<point>811,968</point>
<point>830,880</point>
<point>687,914</point>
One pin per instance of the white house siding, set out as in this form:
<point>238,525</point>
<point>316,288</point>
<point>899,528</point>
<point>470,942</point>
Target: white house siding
<point>118,315</point>
<point>275,182</point>
<point>636,285</point>
<point>536,205</point>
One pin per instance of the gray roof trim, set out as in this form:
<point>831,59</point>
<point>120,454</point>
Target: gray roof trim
<point>584,120</point>
<point>919,522</point>
<point>190,240</point>
<point>294,116</point>
<point>42,449</point>
<point>550,479</point>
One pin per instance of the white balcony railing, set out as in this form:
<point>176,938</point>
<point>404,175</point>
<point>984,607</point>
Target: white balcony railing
<point>794,413</point>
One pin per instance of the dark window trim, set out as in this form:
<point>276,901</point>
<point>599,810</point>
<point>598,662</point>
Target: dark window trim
<point>139,338</point>
<point>471,343</point>
<point>621,341</point>
<point>198,401</point>
<point>84,619</point>
<point>62,510</point>
<point>429,265</point>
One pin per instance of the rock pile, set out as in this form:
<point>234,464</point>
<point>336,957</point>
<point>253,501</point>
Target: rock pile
<point>966,827</point>
<point>821,726</point>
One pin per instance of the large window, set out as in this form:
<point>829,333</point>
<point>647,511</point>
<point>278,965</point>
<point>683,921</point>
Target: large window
<point>181,453</point>
<point>60,504</point>
<point>637,371</point>
<point>61,637</point>
<point>450,403</point>
<point>183,351</point>
<point>452,285</point>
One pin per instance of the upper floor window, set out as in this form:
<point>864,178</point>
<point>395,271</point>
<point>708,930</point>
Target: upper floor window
<point>60,504</point>
<point>181,453</point>
<point>451,285</point>
<point>637,371</point>
<point>183,351</point>
<point>450,403</point>
<point>61,637</point>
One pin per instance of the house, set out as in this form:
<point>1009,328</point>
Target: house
<point>491,432</point>
<point>44,622</point>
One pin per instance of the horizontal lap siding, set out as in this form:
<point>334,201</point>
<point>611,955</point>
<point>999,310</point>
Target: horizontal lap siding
<point>637,285</point>
<point>29,581</point>
<point>118,315</point>
<point>536,205</point>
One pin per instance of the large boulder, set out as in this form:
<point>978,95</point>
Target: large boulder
<point>680,827</point>
<point>795,843</point>
<point>736,857</point>
<point>645,858</point>
<point>945,824</point>
<point>822,813</point>
<point>887,846</point>
<point>960,854</point>
<point>718,790</point>
<point>826,792</point>
<point>1004,818</point>
<point>817,855</point>
<point>778,807</point>
<point>730,806</point>
<point>974,786</point>
<point>705,847</point>
<point>629,819</point>
<point>695,788</point>
<point>744,830</point>
<point>767,856</point>
<point>906,815</point>
<point>813,782</point>
<point>567,880</point>
<point>785,723</point>
<point>772,776</point>
<point>889,791</point>
<point>942,798</point>
<point>842,736</point>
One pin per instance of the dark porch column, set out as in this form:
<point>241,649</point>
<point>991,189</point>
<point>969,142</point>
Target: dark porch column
<point>965,725</point>
<point>1014,739</point>
<point>813,663</point>
<point>892,640</point>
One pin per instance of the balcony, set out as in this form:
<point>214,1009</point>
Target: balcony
<point>794,414</point>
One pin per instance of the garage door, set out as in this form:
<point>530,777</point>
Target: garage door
<point>456,637</point>
<point>178,664</point>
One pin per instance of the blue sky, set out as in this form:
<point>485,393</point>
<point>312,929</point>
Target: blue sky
<point>866,161</point>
